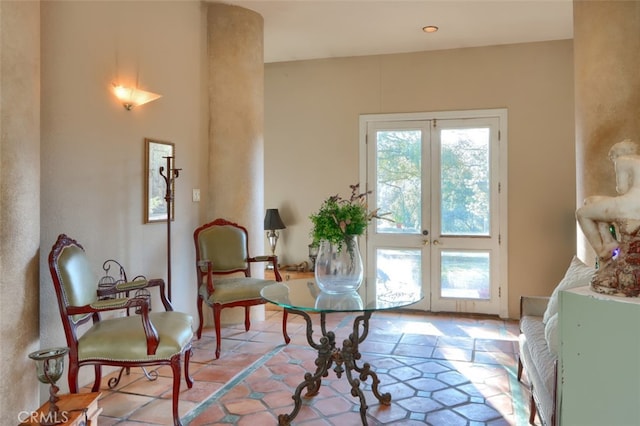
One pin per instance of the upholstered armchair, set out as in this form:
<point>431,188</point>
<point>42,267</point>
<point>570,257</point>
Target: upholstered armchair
<point>223,270</point>
<point>138,340</point>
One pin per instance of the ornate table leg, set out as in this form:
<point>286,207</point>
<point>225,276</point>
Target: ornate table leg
<point>365,371</point>
<point>345,362</point>
<point>326,349</point>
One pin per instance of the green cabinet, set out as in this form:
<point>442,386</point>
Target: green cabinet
<point>599,359</point>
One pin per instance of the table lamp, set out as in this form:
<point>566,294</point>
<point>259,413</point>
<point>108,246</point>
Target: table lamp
<point>49,368</point>
<point>272,223</point>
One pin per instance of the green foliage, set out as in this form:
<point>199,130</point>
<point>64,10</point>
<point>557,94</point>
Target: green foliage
<point>399,168</point>
<point>464,180</point>
<point>339,217</point>
<point>465,187</point>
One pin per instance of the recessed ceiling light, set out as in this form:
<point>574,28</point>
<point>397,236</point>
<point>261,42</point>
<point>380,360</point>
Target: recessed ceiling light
<point>430,29</point>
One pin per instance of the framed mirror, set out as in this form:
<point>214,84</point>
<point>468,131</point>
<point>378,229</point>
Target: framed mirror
<point>155,186</point>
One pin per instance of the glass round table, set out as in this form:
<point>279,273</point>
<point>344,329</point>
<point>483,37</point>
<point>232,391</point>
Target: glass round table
<point>303,297</point>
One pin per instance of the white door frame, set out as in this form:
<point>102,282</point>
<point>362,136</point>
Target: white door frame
<point>501,114</point>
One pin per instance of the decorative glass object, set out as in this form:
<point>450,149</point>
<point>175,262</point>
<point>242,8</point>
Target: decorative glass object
<point>49,368</point>
<point>339,266</point>
<point>339,302</point>
<point>313,255</point>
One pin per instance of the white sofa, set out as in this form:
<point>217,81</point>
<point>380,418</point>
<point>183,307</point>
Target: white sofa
<point>540,363</point>
<point>539,343</point>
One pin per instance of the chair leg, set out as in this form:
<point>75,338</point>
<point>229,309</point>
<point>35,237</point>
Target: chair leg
<point>520,367</point>
<point>187,377</point>
<point>285,316</point>
<point>73,377</point>
<point>532,409</point>
<point>98,372</point>
<point>199,304</point>
<point>247,318</point>
<point>175,367</point>
<point>216,323</point>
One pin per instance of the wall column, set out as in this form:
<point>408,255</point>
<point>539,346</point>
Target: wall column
<point>607,93</point>
<point>19,205</point>
<point>236,108</point>
<point>236,124</point>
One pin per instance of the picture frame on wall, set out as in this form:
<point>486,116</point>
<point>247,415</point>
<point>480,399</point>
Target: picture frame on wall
<point>155,186</point>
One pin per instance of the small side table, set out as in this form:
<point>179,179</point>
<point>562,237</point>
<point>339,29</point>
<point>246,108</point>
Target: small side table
<point>79,409</point>
<point>288,275</point>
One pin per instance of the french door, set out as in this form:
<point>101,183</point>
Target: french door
<point>442,180</point>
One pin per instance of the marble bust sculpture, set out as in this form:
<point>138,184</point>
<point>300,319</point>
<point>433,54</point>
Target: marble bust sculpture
<point>611,225</point>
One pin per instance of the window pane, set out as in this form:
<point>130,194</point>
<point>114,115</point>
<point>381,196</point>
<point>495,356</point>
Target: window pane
<point>398,273</point>
<point>465,182</point>
<point>398,158</point>
<point>465,275</point>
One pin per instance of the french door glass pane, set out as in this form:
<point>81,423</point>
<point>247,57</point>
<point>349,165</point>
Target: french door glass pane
<point>398,186</point>
<point>398,273</point>
<point>464,181</point>
<point>465,275</point>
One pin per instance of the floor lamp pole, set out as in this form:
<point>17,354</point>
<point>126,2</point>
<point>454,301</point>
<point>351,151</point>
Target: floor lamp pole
<point>169,178</point>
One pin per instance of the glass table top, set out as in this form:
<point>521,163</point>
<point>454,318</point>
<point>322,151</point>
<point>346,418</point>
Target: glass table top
<point>304,295</point>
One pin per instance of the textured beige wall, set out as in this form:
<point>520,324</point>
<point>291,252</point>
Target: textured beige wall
<point>93,149</point>
<point>19,204</point>
<point>311,138</point>
<point>236,106</point>
<point>607,85</point>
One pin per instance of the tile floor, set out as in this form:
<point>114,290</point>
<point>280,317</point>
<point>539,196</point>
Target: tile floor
<point>441,370</point>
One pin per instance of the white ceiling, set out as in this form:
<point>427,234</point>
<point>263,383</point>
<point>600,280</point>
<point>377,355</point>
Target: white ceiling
<point>311,29</point>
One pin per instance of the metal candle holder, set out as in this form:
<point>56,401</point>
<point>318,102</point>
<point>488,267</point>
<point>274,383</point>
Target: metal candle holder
<point>49,368</point>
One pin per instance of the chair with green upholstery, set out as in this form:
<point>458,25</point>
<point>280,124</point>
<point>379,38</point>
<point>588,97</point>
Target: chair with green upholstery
<point>144,340</point>
<point>223,269</point>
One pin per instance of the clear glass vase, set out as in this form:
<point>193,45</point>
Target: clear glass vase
<point>350,301</point>
<point>339,266</point>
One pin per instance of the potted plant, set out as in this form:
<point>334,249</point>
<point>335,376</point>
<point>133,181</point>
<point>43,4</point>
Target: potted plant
<point>336,227</point>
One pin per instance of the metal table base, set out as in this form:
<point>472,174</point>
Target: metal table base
<point>343,360</point>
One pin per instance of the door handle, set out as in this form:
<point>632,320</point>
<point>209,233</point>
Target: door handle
<point>425,242</point>
<point>436,242</point>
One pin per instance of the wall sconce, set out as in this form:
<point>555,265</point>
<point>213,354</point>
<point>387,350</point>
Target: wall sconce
<point>133,97</point>
<point>272,223</point>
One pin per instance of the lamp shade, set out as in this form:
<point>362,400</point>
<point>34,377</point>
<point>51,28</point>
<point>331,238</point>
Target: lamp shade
<point>133,97</point>
<point>272,220</point>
